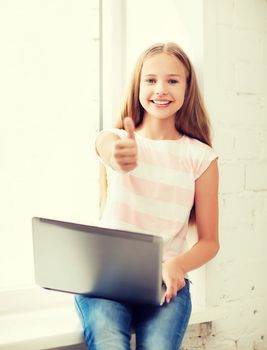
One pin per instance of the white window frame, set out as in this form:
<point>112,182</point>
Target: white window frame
<point>113,74</point>
<point>113,59</point>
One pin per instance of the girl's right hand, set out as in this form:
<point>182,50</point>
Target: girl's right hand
<point>173,277</point>
<point>124,152</point>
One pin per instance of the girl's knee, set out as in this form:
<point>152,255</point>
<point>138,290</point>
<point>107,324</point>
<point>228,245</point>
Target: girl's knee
<point>159,342</point>
<point>106,324</point>
<point>98,337</point>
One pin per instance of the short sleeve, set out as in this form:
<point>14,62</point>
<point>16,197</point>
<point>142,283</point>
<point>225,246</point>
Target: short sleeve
<point>203,156</point>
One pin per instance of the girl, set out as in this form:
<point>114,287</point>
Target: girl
<point>162,176</point>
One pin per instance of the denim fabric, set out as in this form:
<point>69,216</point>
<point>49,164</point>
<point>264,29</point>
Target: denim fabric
<point>108,324</point>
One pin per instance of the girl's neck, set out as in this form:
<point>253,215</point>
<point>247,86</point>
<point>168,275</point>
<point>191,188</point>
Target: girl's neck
<point>158,129</point>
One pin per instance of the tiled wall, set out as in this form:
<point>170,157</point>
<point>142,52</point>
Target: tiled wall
<point>236,278</point>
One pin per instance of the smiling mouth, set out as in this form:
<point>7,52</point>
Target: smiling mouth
<point>161,102</point>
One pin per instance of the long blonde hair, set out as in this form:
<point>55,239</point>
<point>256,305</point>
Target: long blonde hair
<point>191,119</point>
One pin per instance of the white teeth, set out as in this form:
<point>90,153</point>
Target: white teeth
<point>161,102</point>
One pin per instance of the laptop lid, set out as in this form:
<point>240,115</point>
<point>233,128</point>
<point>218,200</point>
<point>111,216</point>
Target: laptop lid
<point>96,261</point>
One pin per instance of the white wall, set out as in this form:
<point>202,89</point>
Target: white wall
<point>49,114</point>
<point>236,90</point>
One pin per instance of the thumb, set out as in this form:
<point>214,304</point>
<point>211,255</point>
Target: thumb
<point>169,291</point>
<point>129,127</point>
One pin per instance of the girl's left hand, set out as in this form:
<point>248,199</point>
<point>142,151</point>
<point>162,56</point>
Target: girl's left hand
<point>173,277</point>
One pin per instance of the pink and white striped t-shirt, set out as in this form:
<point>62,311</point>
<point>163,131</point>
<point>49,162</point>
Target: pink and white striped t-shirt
<point>157,196</point>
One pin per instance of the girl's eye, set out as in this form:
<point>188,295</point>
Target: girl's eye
<point>173,81</point>
<point>150,81</point>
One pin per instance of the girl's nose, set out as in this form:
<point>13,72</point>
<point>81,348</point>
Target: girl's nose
<point>160,88</point>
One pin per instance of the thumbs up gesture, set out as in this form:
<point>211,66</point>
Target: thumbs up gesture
<point>124,153</point>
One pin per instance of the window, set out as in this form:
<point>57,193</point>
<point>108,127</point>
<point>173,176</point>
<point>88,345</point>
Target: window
<point>49,116</point>
<point>53,102</point>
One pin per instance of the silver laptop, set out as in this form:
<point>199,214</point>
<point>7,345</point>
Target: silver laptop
<point>96,261</point>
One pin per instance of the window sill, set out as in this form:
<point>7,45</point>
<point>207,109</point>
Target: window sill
<point>58,325</point>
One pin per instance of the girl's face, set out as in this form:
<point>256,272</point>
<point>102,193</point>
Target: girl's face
<point>162,86</point>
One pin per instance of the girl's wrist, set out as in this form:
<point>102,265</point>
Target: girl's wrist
<point>178,260</point>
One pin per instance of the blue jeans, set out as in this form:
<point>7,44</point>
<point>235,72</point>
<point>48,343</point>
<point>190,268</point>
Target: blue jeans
<point>108,324</point>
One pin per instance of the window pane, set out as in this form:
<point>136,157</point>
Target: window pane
<point>49,111</point>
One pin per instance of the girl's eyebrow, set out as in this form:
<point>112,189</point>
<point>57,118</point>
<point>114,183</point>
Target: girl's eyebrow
<point>174,75</point>
<point>167,75</point>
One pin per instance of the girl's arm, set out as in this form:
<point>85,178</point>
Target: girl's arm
<point>206,207</point>
<point>105,144</point>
